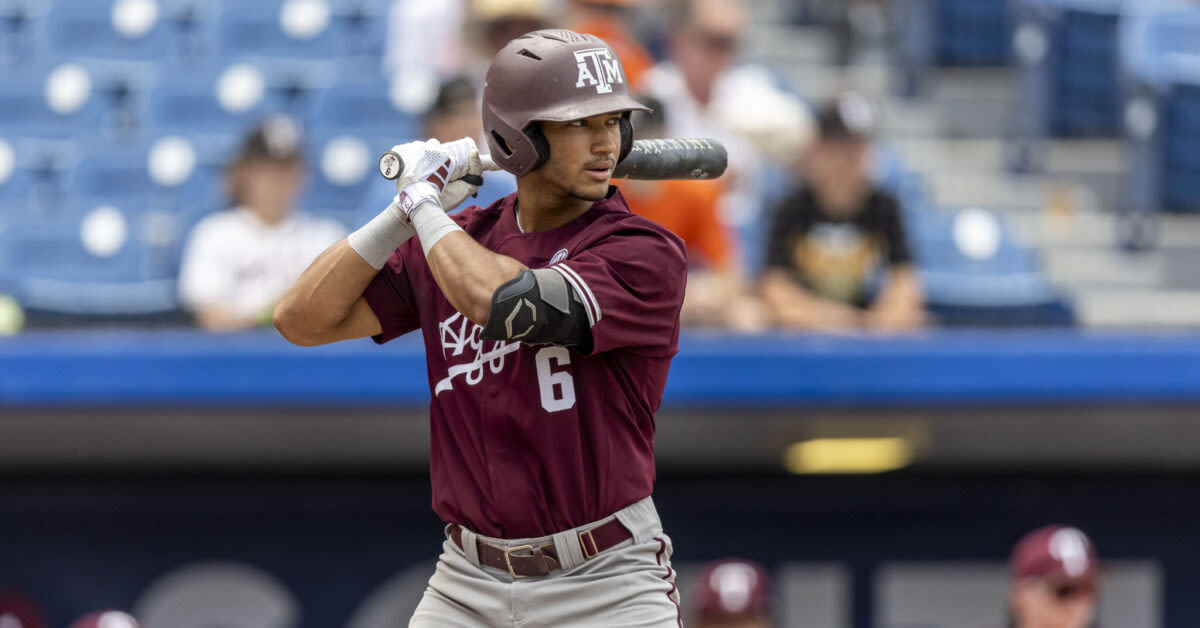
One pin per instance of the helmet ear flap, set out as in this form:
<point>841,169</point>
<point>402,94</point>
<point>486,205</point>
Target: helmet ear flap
<point>541,146</point>
<point>626,136</point>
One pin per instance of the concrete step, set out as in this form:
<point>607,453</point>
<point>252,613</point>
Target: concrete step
<point>1005,193</point>
<point>1137,308</point>
<point>1105,268</point>
<point>975,102</point>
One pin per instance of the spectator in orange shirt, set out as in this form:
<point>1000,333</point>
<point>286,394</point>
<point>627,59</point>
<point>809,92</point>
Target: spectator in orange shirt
<point>609,20</point>
<point>691,210</point>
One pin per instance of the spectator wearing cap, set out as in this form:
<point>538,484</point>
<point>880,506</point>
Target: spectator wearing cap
<point>1055,579</point>
<point>837,258</point>
<point>238,263</point>
<point>713,93</point>
<point>716,294</point>
<point>732,593</point>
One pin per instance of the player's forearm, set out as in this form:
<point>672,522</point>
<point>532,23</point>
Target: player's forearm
<point>793,306</point>
<point>900,304</point>
<point>469,274</point>
<point>317,308</point>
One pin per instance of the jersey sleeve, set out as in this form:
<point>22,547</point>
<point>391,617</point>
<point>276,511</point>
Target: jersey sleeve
<point>783,224</point>
<point>893,227</point>
<point>390,295</point>
<point>631,284</point>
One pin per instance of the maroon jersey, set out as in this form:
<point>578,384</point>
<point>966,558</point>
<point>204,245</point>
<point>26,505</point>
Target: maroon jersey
<point>528,440</point>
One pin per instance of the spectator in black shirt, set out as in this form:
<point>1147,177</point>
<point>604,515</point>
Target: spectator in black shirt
<point>836,237</point>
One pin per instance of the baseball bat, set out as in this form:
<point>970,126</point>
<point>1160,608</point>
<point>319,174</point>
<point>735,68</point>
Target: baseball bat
<point>689,158</point>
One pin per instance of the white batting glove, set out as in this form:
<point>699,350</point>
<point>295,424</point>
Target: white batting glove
<point>458,190</point>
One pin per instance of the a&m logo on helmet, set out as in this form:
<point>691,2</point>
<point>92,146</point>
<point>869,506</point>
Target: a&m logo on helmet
<point>598,67</point>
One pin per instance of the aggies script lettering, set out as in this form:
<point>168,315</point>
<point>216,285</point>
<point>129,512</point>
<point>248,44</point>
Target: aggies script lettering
<point>458,334</point>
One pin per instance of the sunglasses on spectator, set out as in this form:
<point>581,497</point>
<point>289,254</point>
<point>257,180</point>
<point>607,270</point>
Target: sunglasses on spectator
<point>1070,590</point>
<point>717,42</point>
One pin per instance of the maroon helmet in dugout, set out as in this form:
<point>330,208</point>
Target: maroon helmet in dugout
<point>732,588</point>
<point>552,75</point>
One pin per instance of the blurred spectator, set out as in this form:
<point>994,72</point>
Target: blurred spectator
<point>1055,579</point>
<point>455,114</point>
<point>836,233</point>
<point>18,611</point>
<point>712,95</point>
<point>429,42</point>
<point>238,263</point>
<point>715,292</point>
<point>106,619</point>
<point>610,20</point>
<point>732,593</point>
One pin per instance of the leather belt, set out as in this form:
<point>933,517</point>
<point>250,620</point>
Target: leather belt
<point>526,561</point>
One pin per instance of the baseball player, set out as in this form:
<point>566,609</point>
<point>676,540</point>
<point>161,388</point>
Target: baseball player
<point>1055,578</point>
<point>549,319</point>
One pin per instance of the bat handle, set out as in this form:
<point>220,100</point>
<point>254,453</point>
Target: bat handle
<point>391,164</point>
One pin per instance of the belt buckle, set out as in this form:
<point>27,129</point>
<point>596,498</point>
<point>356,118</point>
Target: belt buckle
<point>583,545</point>
<point>508,558</point>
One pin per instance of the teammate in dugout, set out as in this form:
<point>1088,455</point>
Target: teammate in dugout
<point>550,319</point>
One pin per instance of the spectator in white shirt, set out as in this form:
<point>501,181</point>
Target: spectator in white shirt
<point>238,263</point>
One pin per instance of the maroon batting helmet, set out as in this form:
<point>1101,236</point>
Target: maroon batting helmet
<point>552,75</point>
<point>733,588</point>
<point>1059,551</point>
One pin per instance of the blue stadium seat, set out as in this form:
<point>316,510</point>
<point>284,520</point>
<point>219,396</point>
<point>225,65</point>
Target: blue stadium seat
<point>972,32</point>
<point>223,100</point>
<point>99,257</point>
<point>342,173</point>
<point>116,29</point>
<point>165,173</point>
<point>1068,53</point>
<point>20,26</point>
<point>365,107</point>
<point>277,28</point>
<point>1001,284</point>
<point>1160,59</point>
<point>48,102</point>
<point>361,28</point>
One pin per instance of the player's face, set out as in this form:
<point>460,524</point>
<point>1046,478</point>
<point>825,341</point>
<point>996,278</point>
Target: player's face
<point>583,154</point>
<point>1049,603</point>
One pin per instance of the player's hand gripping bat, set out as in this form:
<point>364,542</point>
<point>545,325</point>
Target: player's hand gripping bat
<point>691,158</point>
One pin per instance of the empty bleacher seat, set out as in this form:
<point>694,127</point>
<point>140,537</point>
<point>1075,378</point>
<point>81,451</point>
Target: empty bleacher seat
<point>277,28</point>
<point>1160,60</point>
<point>975,272</point>
<point>342,170</point>
<point>48,102</point>
<point>368,107</point>
<point>1068,54</point>
<point>99,257</point>
<point>224,100</point>
<point>164,172</point>
<point>120,29</point>
<point>972,32</point>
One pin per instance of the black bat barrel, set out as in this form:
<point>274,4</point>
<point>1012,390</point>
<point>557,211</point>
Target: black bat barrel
<point>690,158</point>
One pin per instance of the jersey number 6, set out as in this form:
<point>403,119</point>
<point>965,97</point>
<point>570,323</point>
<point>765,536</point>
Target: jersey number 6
<point>548,380</point>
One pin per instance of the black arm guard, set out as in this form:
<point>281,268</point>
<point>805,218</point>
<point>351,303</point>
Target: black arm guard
<point>537,307</point>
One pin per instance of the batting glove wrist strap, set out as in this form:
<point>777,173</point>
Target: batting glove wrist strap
<point>378,239</point>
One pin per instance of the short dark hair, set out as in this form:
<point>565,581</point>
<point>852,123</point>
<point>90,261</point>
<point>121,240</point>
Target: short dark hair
<point>452,93</point>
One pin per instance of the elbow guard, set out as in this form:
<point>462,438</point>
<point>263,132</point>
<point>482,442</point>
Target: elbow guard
<point>537,307</point>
